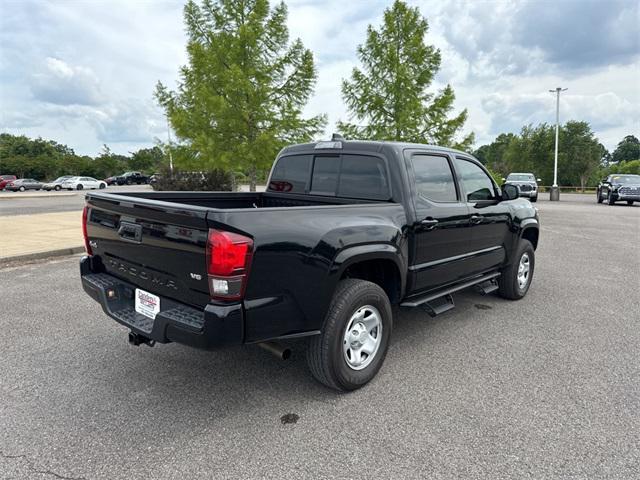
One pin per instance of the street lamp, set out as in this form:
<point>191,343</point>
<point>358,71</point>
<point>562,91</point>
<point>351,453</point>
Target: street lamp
<point>554,194</point>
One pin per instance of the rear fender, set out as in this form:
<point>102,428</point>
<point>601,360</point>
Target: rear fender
<point>363,253</point>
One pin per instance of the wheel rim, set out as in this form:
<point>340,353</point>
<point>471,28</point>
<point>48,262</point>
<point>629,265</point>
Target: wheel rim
<point>362,337</point>
<point>523,270</point>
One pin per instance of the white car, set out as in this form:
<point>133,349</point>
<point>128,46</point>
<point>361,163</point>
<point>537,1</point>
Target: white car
<point>80,183</point>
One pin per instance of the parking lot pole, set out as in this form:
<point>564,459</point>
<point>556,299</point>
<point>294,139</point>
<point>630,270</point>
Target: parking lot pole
<point>554,193</point>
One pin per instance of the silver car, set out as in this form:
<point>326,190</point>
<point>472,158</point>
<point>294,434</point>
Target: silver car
<point>526,182</point>
<point>56,184</point>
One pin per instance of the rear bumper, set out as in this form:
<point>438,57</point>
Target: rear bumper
<point>209,328</point>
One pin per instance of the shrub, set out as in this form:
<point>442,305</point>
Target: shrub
<point>212,180</point>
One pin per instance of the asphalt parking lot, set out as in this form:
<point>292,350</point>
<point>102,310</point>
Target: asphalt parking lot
<point>22,203</point>
<point>547,387</point>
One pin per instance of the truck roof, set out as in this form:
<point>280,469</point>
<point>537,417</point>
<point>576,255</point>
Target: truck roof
<point>363,145</point>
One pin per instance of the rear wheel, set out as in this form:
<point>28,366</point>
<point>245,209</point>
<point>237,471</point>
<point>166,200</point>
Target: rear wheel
<point>629,202</point>
<point>79,187</point>
<point>516,278</point>
<point>355,336</point>
<point>102,185</point>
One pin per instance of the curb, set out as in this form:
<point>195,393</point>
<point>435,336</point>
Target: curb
<point>6,196</point>
<point>41,255</point>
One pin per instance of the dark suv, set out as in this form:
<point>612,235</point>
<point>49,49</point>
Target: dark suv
<point>616,188</point>
<point>526,183</point>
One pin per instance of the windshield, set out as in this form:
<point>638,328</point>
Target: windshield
<point>60,179</point>
<point>627,179</point>
<point>521,177</point>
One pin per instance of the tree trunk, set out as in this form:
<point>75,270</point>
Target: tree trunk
<point>253,175</point>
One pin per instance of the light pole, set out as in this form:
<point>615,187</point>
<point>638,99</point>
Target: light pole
<point>554,194</point>
<point>170,156</point>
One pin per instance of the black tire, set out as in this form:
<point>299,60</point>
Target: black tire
<point>629,202</point>
<point>325,355</point>
<point>534,199</point>
<point>509,286</point>
<point>79,187</point>
<point>57,188</point>
<point>599,194</point>
<point>610,199</point>
<point>102,185</point>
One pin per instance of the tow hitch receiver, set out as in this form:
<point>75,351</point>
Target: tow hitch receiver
<point>136,340</point>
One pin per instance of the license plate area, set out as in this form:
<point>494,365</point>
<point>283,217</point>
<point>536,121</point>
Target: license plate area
<point>147,303</point>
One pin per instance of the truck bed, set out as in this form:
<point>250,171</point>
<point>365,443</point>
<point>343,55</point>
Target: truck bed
<point>166,253</point>
<point>233,200</point>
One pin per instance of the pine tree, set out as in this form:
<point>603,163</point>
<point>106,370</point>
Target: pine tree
<point>389,98</point>
<point>240,98</point>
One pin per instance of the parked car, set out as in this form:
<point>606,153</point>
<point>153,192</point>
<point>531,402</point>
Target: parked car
<point>129,178</point>
<point>345,230</point>
<point>56,184</point>
<point>619,187</point>
<point>110,180</point>
<point>526,182</point>
<point>80,183</point>
<point>4,179</point>
<point>22,184</point>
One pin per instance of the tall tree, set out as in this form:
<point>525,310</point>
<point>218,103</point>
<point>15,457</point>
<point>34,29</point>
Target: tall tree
<point>240,98</point>
<point>627,149</point>
<point>389,99</point>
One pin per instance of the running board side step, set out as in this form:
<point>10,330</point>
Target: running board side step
<point>439,305</point>
<point>440,300</point>
<point>490,286</point>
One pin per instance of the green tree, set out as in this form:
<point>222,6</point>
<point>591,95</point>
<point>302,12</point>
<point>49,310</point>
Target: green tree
<point>388,98</point>
<point>492,155</point>
<point>627,149</point>
<point>147,159</point>
<point>581,153</point>
<point>240,98</point>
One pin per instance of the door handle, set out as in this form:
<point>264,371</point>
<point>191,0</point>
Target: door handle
<point>429,223</point>
<point>476,219</point>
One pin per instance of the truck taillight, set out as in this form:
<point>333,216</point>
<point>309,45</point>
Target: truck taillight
<point>228,261</point>
<point>85,219</point>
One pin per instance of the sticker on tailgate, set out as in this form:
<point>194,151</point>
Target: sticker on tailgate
<point>147,303</point>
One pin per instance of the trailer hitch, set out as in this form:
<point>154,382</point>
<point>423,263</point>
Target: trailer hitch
<point>137,340</point>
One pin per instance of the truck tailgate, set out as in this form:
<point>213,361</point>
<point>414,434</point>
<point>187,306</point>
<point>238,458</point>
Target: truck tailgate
<point>157,246</point>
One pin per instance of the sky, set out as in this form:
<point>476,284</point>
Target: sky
<point>83,72</point>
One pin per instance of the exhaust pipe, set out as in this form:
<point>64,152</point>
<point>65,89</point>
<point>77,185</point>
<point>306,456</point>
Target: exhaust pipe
<point>137,340</point>
<point>276,349</point>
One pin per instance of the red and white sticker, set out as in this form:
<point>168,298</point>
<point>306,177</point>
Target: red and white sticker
<point>147,303</point>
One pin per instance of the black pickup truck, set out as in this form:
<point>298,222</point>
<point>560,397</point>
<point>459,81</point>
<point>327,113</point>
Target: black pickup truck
<point>345,230</point>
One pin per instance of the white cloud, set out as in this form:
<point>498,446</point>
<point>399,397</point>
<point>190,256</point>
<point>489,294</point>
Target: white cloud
<point>63,84</point>
<point>83,73</point>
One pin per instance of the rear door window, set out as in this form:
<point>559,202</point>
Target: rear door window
<point>291,174</point>
<point>434,179</point>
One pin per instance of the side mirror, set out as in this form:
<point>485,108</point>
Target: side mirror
<point>510,192</point>
<point>538,179</point>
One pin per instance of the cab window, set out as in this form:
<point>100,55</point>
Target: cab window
<point>434,179</point>
<point>477,185</point>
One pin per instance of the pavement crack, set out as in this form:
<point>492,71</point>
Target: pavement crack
<point>32,467</point>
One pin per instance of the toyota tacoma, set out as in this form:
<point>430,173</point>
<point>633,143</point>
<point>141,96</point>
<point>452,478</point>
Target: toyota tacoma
<point>344,230</point>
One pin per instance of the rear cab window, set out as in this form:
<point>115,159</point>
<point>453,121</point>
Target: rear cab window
<point>343,175</point>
